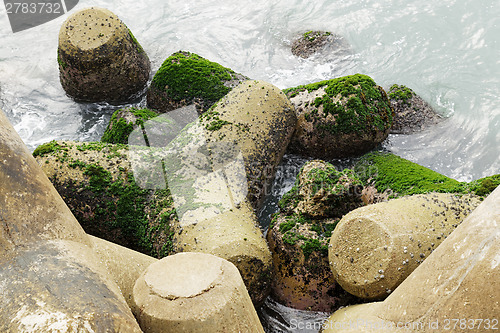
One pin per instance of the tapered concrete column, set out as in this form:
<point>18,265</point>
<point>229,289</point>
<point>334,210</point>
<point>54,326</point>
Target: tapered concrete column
<point>460,280</point>
<point>194,292</point>
<point>375,247</point>
<point>50,278</point>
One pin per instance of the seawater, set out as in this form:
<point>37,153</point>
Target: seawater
<point>446,51</point>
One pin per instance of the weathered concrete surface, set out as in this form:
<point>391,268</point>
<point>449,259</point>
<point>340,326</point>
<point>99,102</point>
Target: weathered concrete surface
<point>218,169</point>
<point>58,286</point>
<point>50,279</point>
<point>124,265</point>
<point>99,58</point>
<point>30,207</point>
<point>194,292</point>
<point>374,248</point>
<point>459,280</point>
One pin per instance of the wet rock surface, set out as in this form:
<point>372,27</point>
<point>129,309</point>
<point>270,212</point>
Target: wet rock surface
<point>411,112</point>
<point>339,118</point>
<point>100,59</point>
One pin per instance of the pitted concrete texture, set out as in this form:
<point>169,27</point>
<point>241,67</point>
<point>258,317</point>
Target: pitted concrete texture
<point>99,58</point>
<point>459,280</point>
<point>374,248</point>
<point>193,292</point>
<point>51,286</point>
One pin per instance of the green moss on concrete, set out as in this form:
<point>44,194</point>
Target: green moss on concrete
<point>485,186</point>
<point>390,172</point>
<point>185,76</point>
<point>355,101</point>
<point>211,120</point>
<point>46,148</point>
<point>400,93</point>
<point>119,129</point>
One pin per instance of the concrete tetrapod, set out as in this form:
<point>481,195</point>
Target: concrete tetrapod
<point>50,279</point>
<point>455,289</point>
<point>99,57</point>
<point>217,169</point>
<point>193,292</point>
<point>375,247</point>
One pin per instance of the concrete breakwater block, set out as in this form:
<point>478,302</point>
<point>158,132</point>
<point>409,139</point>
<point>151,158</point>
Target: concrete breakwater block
<point>50,278</point>
<point>455,289</point>
<point>193,292</point>
<point>374,248</point>
<point>99,57</point>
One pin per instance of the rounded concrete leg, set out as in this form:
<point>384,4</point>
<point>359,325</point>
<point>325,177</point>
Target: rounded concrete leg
<point>454,290</point>
<point>374,248</point>
<point>193,292</point>
<point>99,58</point>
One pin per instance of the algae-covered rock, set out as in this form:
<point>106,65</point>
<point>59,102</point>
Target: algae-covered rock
<point>322,191</point>
<point>411,112</point>
<point>298,237</point>
<point>398,176</point>
<point>185,78</point>
<point>302,276</point>
<point>374,248</point>
<point>99,58</point>
<point>484,186</point>
<point>342,117</point>
<point>323,43</point>
<point>96,182</point>
<point>123,122</point>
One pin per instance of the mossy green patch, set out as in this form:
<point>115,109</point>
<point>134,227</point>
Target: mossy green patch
<point>46,148</point>
<point>119,128</point>
<point>485,186</point>
<point>390,172</point>
<point>400,93</point>
<point>355,101</point>
<point>185,76</point>
<point>314,245</point>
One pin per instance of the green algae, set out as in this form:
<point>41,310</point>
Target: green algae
<point>186,76</point>
<point>390,172</point>
<point>46,148</point>
<point>485,186</point>
<point>400,93</point>
<point>355,101</point>
<point>119,129</point>
<point>112,205</point>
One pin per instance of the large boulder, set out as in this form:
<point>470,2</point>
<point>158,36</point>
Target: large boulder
<point>96,181</point>
<point>99,58</point>
<point>455,288</point>
<point>374,248</point>
<point>298,237</point>
<point>411,112</point>
<point>185,78</point>
<point>342,117</point>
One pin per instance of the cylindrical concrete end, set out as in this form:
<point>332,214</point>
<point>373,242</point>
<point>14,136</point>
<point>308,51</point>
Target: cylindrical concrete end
<point>193,292</point>
<point>99,58</point>
<point>374,248</point>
